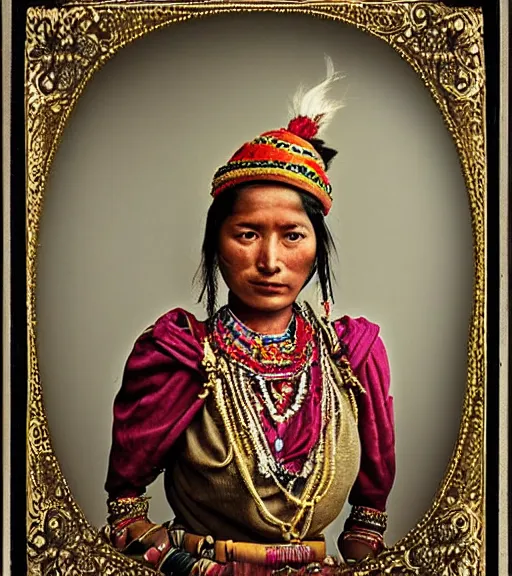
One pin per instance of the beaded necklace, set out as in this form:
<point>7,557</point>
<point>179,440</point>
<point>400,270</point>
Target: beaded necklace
<point>235,378</point>
<point>271,355</point>
<point>276,366</point>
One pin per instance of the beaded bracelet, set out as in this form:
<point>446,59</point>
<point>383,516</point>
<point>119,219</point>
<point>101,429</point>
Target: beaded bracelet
<point>368,517</point>
<point>121,509</point>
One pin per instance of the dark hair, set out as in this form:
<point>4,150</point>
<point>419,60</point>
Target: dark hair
<point>222,207</point>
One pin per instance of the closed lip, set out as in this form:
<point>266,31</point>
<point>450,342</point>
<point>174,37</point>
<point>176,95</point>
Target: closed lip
<point>269,284</point>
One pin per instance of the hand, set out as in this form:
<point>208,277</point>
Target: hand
<point>155,544</point>
<point>354,551</point>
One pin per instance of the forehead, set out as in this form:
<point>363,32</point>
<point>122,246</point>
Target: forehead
<point>269,198</point>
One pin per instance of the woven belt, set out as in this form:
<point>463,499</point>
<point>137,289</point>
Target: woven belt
<point>225,551</point>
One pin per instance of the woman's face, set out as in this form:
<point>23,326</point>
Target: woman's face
<point>267,247</point>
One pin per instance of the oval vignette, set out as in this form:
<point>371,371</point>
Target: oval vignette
<point>125,208</point>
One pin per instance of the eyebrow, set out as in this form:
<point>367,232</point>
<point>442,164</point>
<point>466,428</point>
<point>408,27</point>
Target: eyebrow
<point>258,227</point>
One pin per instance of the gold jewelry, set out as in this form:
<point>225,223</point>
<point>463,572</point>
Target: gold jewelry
<point>122,508</point>
<point>342,369</point>
<point>369,517</point>
<point>232,391</point>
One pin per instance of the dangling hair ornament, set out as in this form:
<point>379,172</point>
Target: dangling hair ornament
<point>311,111</point>
<point>327,309</point>
<point>324,303</point>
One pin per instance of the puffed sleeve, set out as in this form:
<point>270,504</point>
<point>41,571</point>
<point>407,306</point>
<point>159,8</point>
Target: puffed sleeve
<point>157,400</point>
<point>368,358</point>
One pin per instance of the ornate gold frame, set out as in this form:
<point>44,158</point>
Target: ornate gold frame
<point>64,47</point>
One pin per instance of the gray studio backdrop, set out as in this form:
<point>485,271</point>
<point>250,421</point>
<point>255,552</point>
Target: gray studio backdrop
<point>125,208</point>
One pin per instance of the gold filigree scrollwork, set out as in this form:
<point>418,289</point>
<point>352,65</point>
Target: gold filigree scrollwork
<point>444,45</point>
<point>451,544</point>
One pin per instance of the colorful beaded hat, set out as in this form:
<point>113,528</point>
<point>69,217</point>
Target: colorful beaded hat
<point>289,155</point>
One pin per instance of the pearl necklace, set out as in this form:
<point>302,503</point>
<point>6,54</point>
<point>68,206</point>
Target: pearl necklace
<point>297,403</point>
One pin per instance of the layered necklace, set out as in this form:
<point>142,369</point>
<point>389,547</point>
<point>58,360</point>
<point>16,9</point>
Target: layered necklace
<point>277,365</point>
<point>250,373</point>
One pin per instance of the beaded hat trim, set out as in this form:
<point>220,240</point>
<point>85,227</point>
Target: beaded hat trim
<point>283,144</point>
<point>299,175</point>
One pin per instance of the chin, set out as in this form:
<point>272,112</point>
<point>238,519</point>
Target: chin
<point>269,303</point>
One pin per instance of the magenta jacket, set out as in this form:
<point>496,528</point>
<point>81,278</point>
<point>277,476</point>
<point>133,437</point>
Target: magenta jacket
<point>159,398</point>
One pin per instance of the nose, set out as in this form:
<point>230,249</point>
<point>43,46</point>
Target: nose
<point>268,257</point>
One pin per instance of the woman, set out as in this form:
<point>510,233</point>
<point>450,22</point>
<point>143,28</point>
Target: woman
<point>264,418</point>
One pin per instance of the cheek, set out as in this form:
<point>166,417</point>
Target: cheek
<point>302,261</point>
<point>232,258</point>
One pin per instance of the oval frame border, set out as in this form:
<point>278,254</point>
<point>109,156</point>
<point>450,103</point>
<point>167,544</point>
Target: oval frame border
<point>444,45</point>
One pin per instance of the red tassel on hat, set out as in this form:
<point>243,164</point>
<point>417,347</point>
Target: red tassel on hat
<point>311,110</point>
<point>304,127</point>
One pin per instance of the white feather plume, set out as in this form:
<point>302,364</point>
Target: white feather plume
<point>313,103</point>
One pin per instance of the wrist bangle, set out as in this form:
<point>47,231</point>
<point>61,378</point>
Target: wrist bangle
<point>124,508</point>
<point>368,517</point>
<point>121,524</point>
<point>364,530</point>
<point>372,540</point>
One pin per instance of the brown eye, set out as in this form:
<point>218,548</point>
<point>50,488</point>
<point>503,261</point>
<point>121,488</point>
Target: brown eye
<point>249,235</point>
<point>294,236</point>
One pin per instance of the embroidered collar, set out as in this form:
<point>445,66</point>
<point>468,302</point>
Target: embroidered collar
<point>263,353</point>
